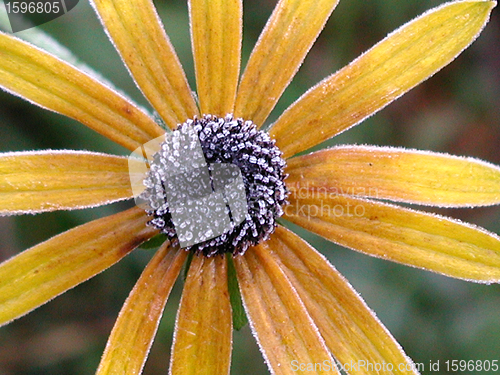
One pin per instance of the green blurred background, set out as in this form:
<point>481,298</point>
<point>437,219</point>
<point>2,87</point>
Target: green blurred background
<point>433,317</point>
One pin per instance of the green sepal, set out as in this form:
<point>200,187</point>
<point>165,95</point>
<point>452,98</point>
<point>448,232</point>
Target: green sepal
<point>159,120</point>
<point>187,265</point>
<point>154,243</point>
<point>240,319</point>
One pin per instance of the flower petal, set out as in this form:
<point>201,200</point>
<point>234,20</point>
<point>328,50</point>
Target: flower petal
<point>203,328</point>
<point>55,85</point>
<point>44,271</point>
<point>49,44</point>
<point>135,329</point>
<point>410,237</point>
<point>139,37</point>
<point>279,320</point>
<point>397,174</point>
<point>401,61</point>
<point>351,330</point>
<point>60,180</point>
<point>278,54</point>
<point>216,28</point>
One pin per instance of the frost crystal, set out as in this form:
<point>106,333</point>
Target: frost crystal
<point>216,185</point>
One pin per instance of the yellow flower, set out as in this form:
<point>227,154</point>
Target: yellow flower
<point>301,310</point>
